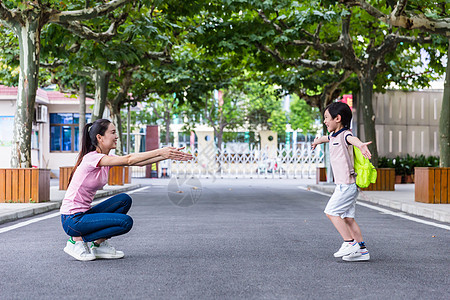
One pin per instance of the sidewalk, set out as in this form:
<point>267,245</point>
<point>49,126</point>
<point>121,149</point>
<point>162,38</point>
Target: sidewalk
<point>401,199</point>
<point>14,211</point>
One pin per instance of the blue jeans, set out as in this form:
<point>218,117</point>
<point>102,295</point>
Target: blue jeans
<point>103,221</point>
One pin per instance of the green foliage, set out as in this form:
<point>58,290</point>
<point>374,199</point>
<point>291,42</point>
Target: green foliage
<point>405,165</point>
<point>302,116</point>
<point>9,57</point>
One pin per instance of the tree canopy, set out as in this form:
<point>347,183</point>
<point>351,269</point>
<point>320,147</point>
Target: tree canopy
<point>127,51</point>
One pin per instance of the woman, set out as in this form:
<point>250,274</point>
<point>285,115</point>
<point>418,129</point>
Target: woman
<point>97,224</point>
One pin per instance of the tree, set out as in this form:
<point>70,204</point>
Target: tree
<point>360,48</point>
<point>303,116</point>
<point>263,104</point>
<point>27,19</point>
<point>426,16</point>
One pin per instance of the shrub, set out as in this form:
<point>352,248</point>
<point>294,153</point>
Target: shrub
<point>406,165</point>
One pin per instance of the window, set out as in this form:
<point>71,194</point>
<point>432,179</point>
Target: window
<point>35,140</point>
<point>65,131</point>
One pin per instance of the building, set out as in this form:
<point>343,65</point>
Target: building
<point>406,122</point>
<point>55,134</point>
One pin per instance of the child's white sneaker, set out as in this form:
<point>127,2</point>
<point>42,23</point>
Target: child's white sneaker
<point>359,255</point>
<point>79,250</point>
<point>347,248</point>
<point>105,250</point>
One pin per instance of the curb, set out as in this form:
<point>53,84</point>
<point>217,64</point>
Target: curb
<point>412,209</point>
<point>53,205</point>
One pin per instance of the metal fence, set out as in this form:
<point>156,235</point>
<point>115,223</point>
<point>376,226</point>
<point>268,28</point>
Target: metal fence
<point>283,162</point>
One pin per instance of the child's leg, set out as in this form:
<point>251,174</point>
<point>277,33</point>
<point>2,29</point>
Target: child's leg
<point>354,229</point>
<point>342,227</point>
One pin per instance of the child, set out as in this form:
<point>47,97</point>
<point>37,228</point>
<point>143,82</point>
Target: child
<point>341,206</point>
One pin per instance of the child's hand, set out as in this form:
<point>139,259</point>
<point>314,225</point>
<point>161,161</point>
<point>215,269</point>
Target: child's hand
<point>365,150</point>
<point>315,143</point>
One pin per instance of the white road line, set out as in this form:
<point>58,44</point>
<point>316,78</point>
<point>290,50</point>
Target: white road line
<point>56,214</point>
<point>34,220</point>
<point>389,212</point>
<point>138,190</point>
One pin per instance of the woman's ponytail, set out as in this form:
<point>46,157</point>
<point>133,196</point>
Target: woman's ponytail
<point>89,140</point>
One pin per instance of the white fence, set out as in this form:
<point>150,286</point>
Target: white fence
<point>254,163</point>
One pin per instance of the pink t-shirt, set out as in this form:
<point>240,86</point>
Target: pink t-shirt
<point>339,164</point>
<point>87,179</point>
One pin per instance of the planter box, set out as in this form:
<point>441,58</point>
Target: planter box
<point>385,180</point>
<point>24,185</point>
<point>64,174</point>
<point>127,174</point>
<point>116,175</point>
<point>431,185</point>
<point>321,175</point>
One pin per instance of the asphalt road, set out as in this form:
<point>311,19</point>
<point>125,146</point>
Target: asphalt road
<point>230,240</point>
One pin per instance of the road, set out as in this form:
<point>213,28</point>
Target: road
<point>230,240</point>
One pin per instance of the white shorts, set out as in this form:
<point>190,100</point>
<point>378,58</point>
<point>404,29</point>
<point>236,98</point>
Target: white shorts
<point>343,201</point>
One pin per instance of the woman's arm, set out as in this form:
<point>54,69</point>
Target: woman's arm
<point>150,161</point>
<point>135,158</point>
<point>319,140</point>
<point>362,146</point>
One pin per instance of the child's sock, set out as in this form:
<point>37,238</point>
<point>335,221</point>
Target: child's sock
<point>349,241</point>
<point>362,245</point>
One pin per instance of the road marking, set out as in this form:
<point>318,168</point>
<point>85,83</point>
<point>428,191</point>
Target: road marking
<point>22,224</point>
<point>138,190</point>
<point>389,212</point>
<point>56,214</point>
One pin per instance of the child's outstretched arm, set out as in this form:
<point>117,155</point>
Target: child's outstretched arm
<point>319,140</point>
<point>362,146</point>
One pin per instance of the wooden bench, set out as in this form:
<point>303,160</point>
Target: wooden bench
<point>385,180</point>
<point>24,185</point>
<point>431,185</point>
<point>64,174</point>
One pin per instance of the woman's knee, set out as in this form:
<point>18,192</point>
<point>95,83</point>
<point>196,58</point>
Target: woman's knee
<point>126,202</point>
<point>125,198</point>
<point>127,223</point>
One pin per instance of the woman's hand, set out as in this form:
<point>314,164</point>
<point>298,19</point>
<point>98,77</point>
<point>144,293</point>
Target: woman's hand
<point>175,154</point>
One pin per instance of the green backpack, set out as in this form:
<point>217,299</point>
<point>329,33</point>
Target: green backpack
<point>362,168</point>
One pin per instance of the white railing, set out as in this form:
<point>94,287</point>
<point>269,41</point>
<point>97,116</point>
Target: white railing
<point>254,163</point>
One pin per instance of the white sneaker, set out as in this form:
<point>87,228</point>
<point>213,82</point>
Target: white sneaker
<point>105,250</point>
<point>347,248</point>
<point>359,255</point>
<point>79,250</point>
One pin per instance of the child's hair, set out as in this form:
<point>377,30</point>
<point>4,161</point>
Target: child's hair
<point>89,139</point>
<point>342,109</point>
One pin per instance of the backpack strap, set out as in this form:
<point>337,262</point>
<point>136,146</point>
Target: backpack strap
<point>347,155</point>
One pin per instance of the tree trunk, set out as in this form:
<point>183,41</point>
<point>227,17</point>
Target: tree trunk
<point>117,121</point>
<point>82,120</point>
<point>368,116</point>
<point>101,79</point>
<point>219,135</point>
<point>444,122</point>
<point>29,44</point>
<point>167,119</point>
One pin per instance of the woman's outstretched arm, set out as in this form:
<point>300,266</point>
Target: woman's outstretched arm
<point>144,158</point>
